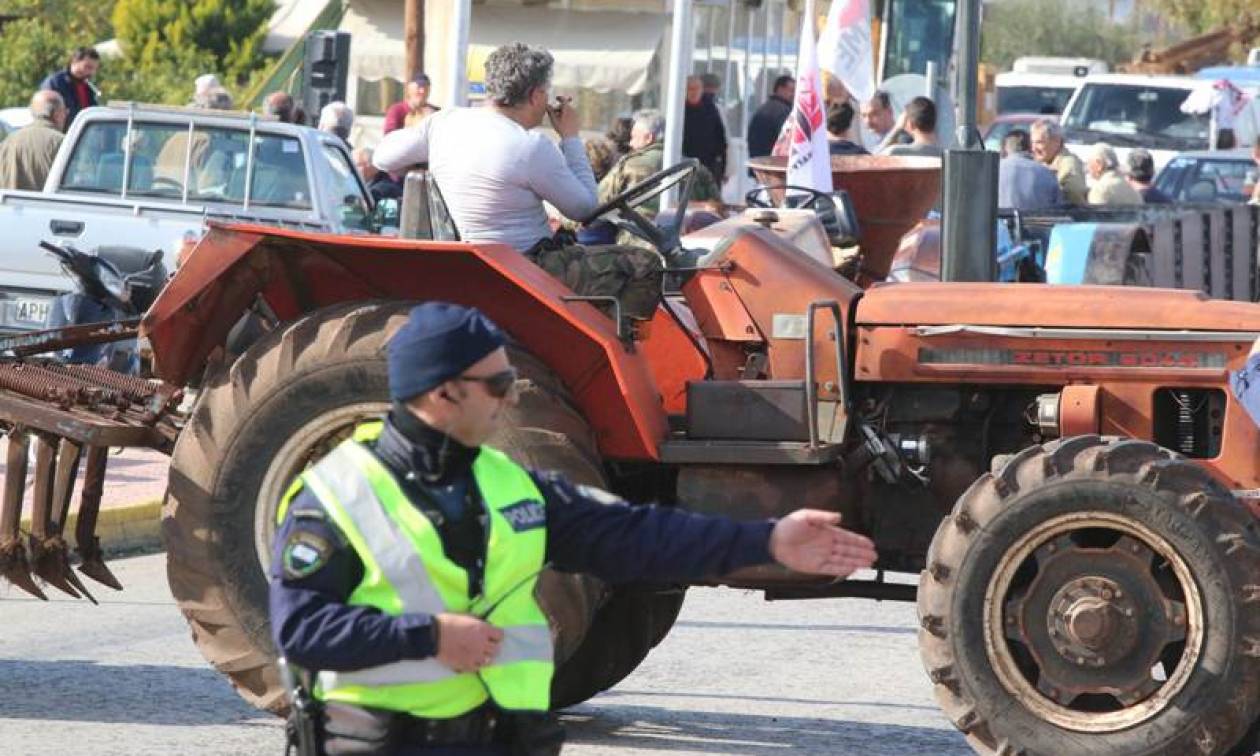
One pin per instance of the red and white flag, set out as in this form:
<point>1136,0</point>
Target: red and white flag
<point>809,160</point>
<point>844,46</point>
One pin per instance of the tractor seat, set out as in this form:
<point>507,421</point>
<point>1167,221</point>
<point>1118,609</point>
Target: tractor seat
<point>424,213</point>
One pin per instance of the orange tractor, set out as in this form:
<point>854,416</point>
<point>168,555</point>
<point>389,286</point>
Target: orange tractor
<point>1064,467</point>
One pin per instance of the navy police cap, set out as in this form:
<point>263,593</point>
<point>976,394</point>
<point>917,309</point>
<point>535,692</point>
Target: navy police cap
<point>438,342</point>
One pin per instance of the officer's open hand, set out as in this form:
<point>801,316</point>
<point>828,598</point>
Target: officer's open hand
<point>466,643</point>
<point>812,541</point>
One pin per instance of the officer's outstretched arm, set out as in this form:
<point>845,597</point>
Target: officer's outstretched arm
<point>593,531</point>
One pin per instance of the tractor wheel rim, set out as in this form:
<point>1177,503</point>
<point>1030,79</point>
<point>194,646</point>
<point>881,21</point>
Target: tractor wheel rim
<point>1069,625</point>
<point>302,449</point>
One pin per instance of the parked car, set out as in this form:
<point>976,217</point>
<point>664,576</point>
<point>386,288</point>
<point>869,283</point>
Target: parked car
<point>1005,124</point>
<point>1209,176</point>
<point>151,177</point>
<point>1132,110</point>
<point>12,119</point>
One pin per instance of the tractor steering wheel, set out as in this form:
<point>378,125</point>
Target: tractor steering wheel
<point>625,214</point>
<point>792,197</point>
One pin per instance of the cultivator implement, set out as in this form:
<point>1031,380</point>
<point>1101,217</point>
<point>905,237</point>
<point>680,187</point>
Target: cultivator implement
<point>55,417</point>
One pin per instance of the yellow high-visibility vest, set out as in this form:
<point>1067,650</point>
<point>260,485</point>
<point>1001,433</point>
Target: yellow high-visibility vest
<point>406,571</point>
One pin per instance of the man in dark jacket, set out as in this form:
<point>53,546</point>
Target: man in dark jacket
<point>1142,174</point>
<point>74,83</point>
<point>1023,183</point>
<point>704,135</point>
<point>767,122</point>
<point>406,560</point>
<point>839,138</point>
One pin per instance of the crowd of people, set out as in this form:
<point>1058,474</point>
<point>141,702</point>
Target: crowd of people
<point>873,127</point>
<point>1037,172</point>
<point>26,156</point>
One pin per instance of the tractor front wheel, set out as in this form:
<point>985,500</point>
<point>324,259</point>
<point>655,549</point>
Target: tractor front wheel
<point>1095,597</point>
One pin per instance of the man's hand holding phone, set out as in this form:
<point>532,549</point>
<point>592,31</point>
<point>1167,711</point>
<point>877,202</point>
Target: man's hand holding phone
<point>564,117</point>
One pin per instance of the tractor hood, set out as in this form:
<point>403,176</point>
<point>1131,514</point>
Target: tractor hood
<point>1034,305</point>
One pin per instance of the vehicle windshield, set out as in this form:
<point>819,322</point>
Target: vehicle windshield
<point>1133,114</point>
<point>173,163</point>
<point>1032,99</point>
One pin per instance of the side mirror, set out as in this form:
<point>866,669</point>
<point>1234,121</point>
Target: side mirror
<point>386,216</point>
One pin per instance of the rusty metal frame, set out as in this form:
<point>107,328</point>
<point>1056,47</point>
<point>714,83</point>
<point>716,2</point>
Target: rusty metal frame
<point>56,339</point>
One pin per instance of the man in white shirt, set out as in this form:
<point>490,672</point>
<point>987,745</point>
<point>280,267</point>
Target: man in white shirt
<point>495,172</point>
<point>493,169</point>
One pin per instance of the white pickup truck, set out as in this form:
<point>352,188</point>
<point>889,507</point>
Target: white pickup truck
<point>1134,110</point>
<point>151,177</point>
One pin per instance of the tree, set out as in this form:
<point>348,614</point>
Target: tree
<point>32,50</point>
<point>1199,16</point>
<point>40,40</point>
<point>1070,28</point>
<point>158,35</point>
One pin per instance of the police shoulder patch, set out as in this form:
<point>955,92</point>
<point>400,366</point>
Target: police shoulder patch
<point>525,515</point>
<point>304,553</point>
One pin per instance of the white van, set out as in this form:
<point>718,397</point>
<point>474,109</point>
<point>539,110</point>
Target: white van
<point>1042,84</point>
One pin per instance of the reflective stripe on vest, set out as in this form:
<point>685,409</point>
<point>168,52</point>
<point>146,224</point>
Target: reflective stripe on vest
<point>406,571</point>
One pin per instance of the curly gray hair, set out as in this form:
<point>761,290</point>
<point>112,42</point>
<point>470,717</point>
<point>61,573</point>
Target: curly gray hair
<point>514,70</point>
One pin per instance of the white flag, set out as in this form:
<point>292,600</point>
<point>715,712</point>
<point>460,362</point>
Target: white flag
<point>844,46</point>
<point>809,160</point>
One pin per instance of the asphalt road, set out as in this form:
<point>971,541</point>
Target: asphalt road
<point>736,676</point>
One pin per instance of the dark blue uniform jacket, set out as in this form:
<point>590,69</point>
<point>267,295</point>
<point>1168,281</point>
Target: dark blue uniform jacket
<point>76,98</point>
<point>588,530</point>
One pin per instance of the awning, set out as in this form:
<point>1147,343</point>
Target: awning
<point>599,50</point>
<point>290,22</point>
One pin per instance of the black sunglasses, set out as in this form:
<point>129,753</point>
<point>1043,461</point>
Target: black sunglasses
<point>498,384</point>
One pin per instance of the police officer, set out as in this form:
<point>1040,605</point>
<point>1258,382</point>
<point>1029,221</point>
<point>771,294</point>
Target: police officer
<point>406,559</point>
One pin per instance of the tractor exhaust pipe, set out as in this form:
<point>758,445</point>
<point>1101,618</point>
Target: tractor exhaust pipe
<point>970,176</point>
<point>969,215</point>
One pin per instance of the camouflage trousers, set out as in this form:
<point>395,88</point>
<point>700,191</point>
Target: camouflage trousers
<point>631,274</point>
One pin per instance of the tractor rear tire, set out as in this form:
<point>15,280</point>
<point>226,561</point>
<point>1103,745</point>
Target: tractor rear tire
<point>287,400</point>
<point>1009,605</point>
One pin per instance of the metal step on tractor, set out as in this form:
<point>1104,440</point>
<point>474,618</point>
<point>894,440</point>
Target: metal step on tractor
<point>1063,467</point>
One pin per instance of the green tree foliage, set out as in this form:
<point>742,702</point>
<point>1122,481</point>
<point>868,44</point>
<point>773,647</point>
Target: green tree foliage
<point>165,44</point>
<point>32,50</point>
<point>1070,28</point>
<point>158,35</point>
<point>40,41</point>
<point>1199,16</point>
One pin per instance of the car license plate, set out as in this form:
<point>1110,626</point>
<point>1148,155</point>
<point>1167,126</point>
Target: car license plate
<point>31,311</point>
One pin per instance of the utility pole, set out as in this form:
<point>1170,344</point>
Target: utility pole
<point>413,36</point>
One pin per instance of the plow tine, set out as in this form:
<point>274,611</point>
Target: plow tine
<point>13,564</point>
<point>68,456</point>
<point>87,545</point>
<point>68,453</point>
<point>48,551</point>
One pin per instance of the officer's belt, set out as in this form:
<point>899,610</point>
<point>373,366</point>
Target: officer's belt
<point>478,727</point>
<point>349,726</point>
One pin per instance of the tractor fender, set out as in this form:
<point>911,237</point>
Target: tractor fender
<point>289,273</point>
